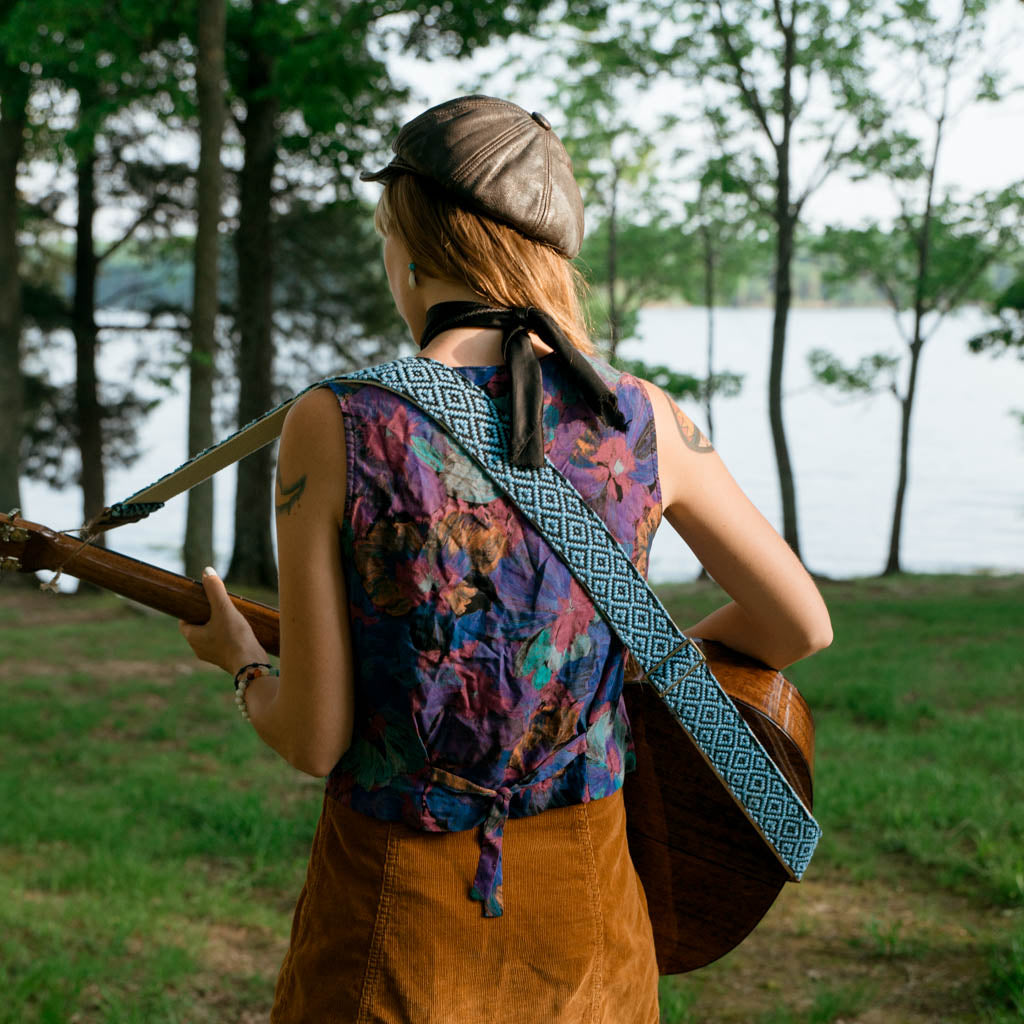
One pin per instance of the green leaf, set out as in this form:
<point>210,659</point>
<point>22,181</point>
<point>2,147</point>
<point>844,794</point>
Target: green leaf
<point>871,374</point>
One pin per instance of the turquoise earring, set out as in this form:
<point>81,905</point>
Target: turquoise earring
<point>412,275</point>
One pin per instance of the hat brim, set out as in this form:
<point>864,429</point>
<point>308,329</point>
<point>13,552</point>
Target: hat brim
<point>393,169</point>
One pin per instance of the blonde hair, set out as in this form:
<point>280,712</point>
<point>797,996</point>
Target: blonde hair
<point>504,267</point>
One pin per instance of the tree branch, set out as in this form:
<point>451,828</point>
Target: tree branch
<point>780,19</point>
<point>145,215</point>
<point>750,95</point>
<point>968,280</point>
<point>882,282</point>
<point>763,207</point>
<point>825,167</point>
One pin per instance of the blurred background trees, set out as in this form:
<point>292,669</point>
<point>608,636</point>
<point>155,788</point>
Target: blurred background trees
<point>186,174</point>
<point>937,254</point>
<point>777,78</point>
<point>105,93</point>
<point>1008,334</point>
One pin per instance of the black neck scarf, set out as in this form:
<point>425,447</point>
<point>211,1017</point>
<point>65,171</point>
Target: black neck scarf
<point>527,407</point>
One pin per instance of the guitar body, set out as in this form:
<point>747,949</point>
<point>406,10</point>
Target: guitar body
<point>708,875</point>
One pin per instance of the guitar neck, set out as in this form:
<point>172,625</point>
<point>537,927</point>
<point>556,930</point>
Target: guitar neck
<point>167,592</point>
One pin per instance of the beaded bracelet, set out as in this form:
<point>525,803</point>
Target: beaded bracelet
<point>244,676</point>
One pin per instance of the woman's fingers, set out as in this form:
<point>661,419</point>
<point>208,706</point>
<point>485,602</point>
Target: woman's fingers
<point>216,593</point>
<point>224,616</point>
<point>226,639</point>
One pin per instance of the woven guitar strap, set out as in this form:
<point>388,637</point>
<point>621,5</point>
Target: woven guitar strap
<point>671,663</point>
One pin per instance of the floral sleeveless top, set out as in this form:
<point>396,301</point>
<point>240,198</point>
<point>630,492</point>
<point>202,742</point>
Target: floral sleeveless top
<point>487,686</point>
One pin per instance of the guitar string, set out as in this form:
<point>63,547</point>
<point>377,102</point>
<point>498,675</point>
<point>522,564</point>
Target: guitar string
<point>91,533</point>
<point>50,586</point>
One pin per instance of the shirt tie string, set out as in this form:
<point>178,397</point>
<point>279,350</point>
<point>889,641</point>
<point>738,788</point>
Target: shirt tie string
<point>527,406</point>
<point>487,883</point>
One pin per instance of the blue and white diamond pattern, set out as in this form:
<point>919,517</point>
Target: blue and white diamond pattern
<point>632,609</point>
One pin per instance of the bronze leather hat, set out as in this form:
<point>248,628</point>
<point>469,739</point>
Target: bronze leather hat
<point>496,159</point>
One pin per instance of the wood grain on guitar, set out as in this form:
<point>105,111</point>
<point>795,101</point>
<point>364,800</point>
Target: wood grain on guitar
<point>29,547</point>
<point>708,874</point>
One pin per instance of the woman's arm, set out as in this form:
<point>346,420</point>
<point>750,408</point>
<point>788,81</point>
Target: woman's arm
<point>777,614</point>
<point>306,713</point>
<point>308,720</point>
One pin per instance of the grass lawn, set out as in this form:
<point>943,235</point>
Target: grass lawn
<point>151,848</point>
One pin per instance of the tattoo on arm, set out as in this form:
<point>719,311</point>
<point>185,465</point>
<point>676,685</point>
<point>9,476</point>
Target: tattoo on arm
<point>291,493</point>
<point>692,437</point>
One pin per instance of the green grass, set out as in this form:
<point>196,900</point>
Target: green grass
<point>919,716</point>
<point>138,811</point>
<point>1004,992</point>
<point>921,722</point>
<point>829,1005</point>
<point>151,848</point>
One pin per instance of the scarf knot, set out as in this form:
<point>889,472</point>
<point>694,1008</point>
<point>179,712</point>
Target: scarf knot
<point>527,406</point>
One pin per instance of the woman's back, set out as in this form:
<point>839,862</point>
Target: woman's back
<point>480,662</point>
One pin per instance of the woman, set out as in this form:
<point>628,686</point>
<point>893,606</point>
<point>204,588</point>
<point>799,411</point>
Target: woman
<point>438,661</point>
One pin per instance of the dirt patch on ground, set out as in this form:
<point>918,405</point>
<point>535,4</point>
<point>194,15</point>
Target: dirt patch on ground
<point>875,953</point>
<point>28,606</point>
<point>23,608</point>
<point>245,951</point>
<point>108,670</point>
<point>829,952</point>
<point>163,673</point>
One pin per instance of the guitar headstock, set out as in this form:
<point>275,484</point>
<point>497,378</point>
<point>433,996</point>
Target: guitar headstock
<point>25,546</point>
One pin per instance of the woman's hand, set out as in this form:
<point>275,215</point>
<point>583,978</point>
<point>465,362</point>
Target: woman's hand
<point>227,639</point>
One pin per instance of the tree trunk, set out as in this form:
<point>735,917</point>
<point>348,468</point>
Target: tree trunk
<point>198,547</point>
<point>88,410</point>
<point>785,219</point>
<point>892,564</point>
<point>614,329</point>
<point>252,561</point>
<point>783,300</point>
<point>13,103</point>
<point>922,244</point>
<point>709,303</point>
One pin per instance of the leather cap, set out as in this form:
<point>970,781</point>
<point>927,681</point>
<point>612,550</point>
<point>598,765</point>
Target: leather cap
<point>494,158</point>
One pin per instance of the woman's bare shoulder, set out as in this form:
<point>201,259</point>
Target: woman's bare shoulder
<point>681,443</point>
<point>313,443</point>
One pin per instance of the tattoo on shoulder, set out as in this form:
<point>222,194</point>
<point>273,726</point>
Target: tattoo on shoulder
<point>688,431</point>
<point>291,493</point>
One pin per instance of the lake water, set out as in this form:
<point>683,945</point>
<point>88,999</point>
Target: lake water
<point>965,504</point>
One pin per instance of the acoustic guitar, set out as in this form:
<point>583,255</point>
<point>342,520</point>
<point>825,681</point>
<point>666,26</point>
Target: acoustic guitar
<point>708,875</point>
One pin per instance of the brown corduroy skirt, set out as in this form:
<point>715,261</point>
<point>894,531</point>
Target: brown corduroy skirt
<point>384,930</point>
